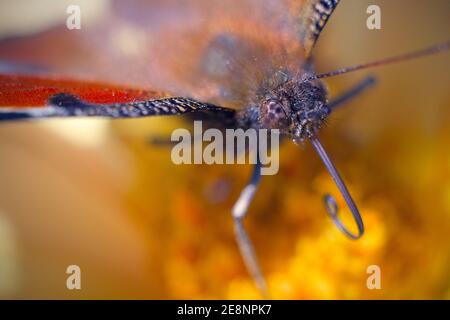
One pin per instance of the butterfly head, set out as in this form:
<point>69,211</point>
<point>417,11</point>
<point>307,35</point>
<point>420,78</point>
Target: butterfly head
<point>298,108</point>
<point>309,110</point>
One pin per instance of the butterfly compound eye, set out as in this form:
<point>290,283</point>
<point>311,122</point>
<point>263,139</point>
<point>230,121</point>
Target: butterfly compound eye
<point>273,115</point>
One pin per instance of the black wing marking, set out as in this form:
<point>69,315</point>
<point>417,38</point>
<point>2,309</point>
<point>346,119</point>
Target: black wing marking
<point>67,105</point>
<point>314,15</point>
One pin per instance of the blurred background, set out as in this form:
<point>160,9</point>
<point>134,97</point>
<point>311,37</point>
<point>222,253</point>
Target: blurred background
<point>95,193</point>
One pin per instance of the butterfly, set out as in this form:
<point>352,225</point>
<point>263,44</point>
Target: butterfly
<point>240,64</point>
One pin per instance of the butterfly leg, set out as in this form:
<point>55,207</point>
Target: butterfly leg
<point>353,92</point>
<point>245,245</point>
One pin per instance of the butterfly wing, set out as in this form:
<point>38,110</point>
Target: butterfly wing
<point>33,91</point>
<point>214,51</point>
<point>36,97</point>
<point>313,15</point>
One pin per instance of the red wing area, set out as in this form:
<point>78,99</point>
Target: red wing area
<point>35,91</point>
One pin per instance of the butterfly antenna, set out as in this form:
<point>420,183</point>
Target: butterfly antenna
<point>330,202</point>
<point>403,57</point>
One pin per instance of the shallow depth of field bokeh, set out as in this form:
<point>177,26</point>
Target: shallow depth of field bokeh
<point>95,193</point>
